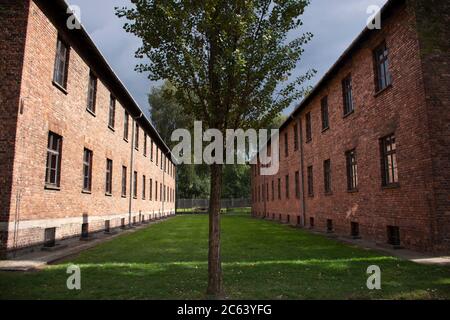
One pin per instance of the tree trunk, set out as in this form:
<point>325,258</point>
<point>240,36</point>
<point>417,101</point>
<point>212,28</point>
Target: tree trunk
<point>215,288</point>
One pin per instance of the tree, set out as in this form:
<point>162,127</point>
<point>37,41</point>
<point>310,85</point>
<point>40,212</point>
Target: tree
<point>226,60</point>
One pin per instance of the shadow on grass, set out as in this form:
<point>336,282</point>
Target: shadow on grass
<point>261,260</point>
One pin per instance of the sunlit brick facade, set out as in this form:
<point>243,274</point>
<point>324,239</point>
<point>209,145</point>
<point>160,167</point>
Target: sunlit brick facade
<point>75,148</point>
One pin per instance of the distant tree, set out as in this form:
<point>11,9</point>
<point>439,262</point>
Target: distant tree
<point>227,60</point>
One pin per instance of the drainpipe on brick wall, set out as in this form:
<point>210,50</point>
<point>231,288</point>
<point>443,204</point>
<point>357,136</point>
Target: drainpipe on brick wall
<point>164,184</point>
<point>134,123</point>
<point>303,223</point>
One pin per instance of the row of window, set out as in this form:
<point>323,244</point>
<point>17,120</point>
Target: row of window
<point>60,76</point>
<point>382,81</point>
<point>389,172</point>
<point>53,174</point>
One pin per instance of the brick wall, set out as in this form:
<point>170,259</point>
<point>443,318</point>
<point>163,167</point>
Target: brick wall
<point>403,109</point>
<point>48,108</point>
<point>433,19</point>
<point>13,28</point>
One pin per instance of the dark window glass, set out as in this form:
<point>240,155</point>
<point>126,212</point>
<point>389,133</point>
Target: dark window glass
<point>389,160</point>
<point>126,120</point>
<point>286,144</point>
<point>145,144</point>
<point>352,170</point>
<point>347,95</point>
<point>87,170</point>
<point>144,186</point>
<point>112,112</point>
<point>109,173</point>
<point>273,190</point>
<point>135,176</point>
<point>324,108</point>
<point>151,150</point>
<point>61,64</point>
<point>297,184</point>
<point>92,92</point>
<point>296,137</point>
<point>287,186</point>
<point>308,127</point>
<point>136,137</point>
<point>156,190</point>
<point>383,77</point>
<point>151,189</point>
<point>53,166</point>
<point>124,181</point>
<point>310,181</point>
<point>327,176</point>
<point>279,188</point>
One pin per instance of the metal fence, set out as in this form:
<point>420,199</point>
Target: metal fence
<point>204,203</point>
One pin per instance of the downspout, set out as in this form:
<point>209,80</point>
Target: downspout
<point>164,184</point>
<point>134,122</point>
<point>302,169</point>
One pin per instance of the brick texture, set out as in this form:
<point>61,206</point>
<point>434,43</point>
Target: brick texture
<point>34,107</point>
<point>415,108</point>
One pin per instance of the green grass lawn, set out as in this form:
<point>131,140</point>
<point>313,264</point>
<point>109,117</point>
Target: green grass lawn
<point>261,260</point>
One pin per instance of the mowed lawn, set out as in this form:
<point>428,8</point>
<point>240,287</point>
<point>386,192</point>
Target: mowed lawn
<point>261,260</point>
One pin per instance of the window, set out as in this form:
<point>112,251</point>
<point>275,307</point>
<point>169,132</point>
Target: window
<point>151,150</point>
<point>145,144</point>
<point>161,192</point>
<point>126,120</point>
<point>87,170</point>
<point>286,144</point>
<point>267,191</point>
<point>151,189</point>
<point>352,170</point>
<point>273,190</point>
<point>354,229</point>
<point>135,176</point>
<point>109,172</point>
<point>124,181</point>
<point>348,95</point>
<point>287,186</point>
<point>156,190</point>
<point>297,185</point>
<point>279,188</point>
<point>92,92</point>
<point>327,176</point>
<point>61,64</point>
<point>383,77</point>
<point>136,137</point>
<point>324,108</point>
<point>329,225</point>
<point>157,156</point>
<point>161,160</point>
<point>393,233</point>
<point>296,137</point>
<point>308,127</point>
<point>53,166</point>
<point>144,186</point>
<point>389,161</point>
<point>311,222</point>
<point>112,112</point>
<point>310,182</point>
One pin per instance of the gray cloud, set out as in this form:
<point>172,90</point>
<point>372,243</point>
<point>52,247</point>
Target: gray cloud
<point>334,25</point>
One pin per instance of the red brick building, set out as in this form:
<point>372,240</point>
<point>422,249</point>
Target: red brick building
<point>367,153</point>
<point>77,154</point>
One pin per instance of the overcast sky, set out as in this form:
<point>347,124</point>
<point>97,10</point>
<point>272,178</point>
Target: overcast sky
<point>335,24</point>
